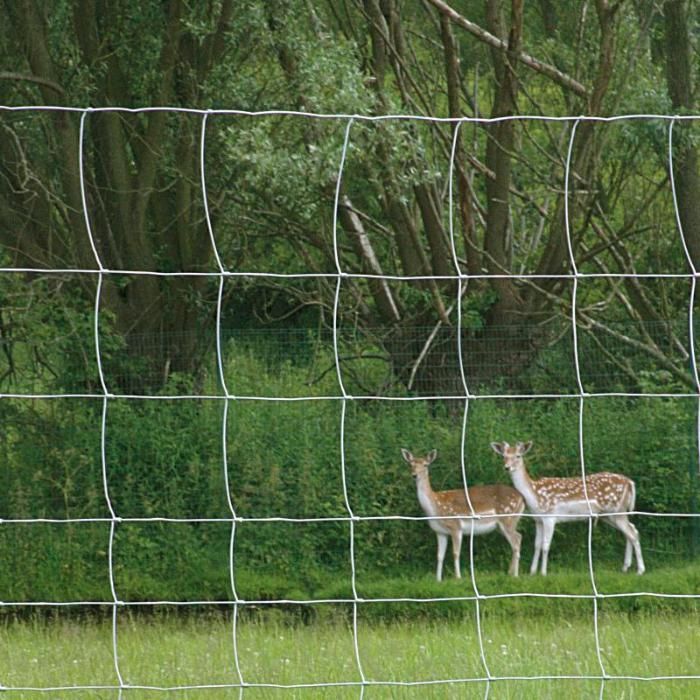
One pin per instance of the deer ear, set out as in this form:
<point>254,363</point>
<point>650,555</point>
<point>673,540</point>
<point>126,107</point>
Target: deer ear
<point>431,456</point>
<point>407,455</point>
<point>497,447</point>
<point>525,447</point>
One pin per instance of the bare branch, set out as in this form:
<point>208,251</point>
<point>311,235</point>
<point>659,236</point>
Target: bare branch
<point>429,342</point>
<point>28,78</point>
<point>352,224</point>
<point>539,66</point>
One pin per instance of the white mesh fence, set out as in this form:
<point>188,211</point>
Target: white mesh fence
<point>229,400</point>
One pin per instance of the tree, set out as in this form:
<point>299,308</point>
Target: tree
<point>682,90</point>
<point>394,200</point>
<point>141,171</point>
<point>271,180</point>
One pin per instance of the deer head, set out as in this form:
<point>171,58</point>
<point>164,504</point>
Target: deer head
<point>512,456</point>
<point>419,464</point>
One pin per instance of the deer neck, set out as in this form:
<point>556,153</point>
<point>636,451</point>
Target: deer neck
<point>526,487</point>
<point>426,495</point>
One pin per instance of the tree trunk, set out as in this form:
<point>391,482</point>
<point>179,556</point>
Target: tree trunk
<point>143,207</point>
<point>501,140</point>
<point>681,90</point>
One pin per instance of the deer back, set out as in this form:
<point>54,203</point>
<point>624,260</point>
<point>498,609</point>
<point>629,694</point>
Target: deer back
<point>489,498</point>
<point>612,492</point>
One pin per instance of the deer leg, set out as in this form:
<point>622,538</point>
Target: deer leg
<point>628,555</point>
<point>622,523</point>
<point>547,534</point>
<point>615,521</point>
<point>456,548</point>
<point>441,548</point>
<point>514,540</point>
<point>638,551</point>
<point>538,547</point>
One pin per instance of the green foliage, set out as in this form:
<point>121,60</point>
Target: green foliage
<point>285,463</point>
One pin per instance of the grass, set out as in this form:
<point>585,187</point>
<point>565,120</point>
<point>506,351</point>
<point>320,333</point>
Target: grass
<point>416,638</point>
<point>190,650</point>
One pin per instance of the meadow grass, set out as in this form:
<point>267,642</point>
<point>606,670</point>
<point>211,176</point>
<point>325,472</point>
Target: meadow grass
<point>438,657</point>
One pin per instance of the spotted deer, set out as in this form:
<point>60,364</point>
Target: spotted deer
<point>497,506</point>
<point>606,495</point>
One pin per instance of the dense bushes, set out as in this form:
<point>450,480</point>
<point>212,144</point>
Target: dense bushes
<point>286,465</point>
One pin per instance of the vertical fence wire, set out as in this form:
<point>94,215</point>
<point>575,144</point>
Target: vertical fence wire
<point>582,399</point>
<point>228,398</point>
<point>462,282</point>
<point>352,518</point>
<point>114,519</point>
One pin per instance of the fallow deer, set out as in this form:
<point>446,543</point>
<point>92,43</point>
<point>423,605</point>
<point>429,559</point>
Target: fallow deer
<point>605,495</point>
<point>494,506</point>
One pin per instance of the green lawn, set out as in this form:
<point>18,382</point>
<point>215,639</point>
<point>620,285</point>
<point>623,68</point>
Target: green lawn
<point>191,650</point>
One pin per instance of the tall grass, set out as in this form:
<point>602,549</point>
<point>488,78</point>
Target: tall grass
<point>412,659</point>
